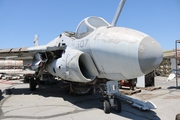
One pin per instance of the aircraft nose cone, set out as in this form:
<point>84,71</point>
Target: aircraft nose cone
<point>150,54</point>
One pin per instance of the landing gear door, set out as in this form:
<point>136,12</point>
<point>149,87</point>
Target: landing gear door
<point>112,87</point>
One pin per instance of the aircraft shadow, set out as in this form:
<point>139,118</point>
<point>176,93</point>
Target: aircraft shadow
<point>173,87</point>
<point>1,97</point>
<point>84,101</point>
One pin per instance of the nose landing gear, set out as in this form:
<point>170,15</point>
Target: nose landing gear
<point>115,103</point>
<point>110,99</point>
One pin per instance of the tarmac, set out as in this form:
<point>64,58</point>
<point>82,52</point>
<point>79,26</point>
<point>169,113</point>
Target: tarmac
<point>53,102</point>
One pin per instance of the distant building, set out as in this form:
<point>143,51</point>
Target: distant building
<point>168,62</point>
<point>11,66</point>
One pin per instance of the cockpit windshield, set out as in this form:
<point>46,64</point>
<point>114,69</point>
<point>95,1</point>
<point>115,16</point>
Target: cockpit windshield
<point>88,25</point>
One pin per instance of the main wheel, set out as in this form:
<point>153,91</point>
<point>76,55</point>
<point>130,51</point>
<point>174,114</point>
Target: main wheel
<point>117,104</point>
<point>107,107</point>
<point>32,84</point>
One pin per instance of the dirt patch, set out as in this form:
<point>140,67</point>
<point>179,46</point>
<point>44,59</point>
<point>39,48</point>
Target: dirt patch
<point>146,96</point>
<point>172,97</point>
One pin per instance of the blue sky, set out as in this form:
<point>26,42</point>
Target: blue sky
<point>20,20</point>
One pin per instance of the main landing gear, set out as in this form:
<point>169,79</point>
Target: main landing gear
<point>33,83</point>
<point>110,100</point>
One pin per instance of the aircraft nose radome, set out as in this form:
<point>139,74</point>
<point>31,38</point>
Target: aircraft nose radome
<point>150,54</point>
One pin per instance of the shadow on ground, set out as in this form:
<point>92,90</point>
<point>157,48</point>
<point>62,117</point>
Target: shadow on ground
<point>174,87</point>
<point>1,97</point>
<point>84,101</point>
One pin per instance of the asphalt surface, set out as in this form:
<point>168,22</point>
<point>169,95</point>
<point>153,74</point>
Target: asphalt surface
<point>53,102</point>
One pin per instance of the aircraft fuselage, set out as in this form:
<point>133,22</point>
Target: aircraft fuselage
<point>116,52</point>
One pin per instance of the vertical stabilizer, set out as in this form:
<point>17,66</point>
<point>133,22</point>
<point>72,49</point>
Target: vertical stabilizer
<point>36,40</point>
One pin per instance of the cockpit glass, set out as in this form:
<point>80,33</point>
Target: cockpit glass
<point>97,22</point>
<point>88,25</point>
<point>83,30</point>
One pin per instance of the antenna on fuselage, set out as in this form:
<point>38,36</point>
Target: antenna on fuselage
<point>36,40</point>
<point>118,11</point>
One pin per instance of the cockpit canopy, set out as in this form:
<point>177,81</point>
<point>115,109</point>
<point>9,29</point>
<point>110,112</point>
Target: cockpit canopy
<point>88,25</point>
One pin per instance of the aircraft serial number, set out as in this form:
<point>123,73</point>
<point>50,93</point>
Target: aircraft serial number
<point>81,43</point>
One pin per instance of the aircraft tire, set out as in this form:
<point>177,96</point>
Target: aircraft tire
<point>25,80</point>
<point>32,84</point>
<point>118,106</point>
<point>107,107</point>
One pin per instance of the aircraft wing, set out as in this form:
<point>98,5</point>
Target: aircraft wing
<point>28,53</point>
<point>16,53</point>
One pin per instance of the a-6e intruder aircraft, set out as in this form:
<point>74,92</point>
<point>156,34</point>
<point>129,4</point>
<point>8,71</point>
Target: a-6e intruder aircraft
<point>96,52</point>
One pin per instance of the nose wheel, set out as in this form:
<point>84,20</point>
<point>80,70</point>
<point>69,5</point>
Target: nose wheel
<point>110,100</point>
<point>116,105</point>
<point>107,107</point>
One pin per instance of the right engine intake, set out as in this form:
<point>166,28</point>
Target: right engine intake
<point>74,65</point>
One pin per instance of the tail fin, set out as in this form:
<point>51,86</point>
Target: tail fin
<point>36,40</point>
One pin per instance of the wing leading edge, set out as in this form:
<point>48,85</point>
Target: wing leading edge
<point>28,53</point>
